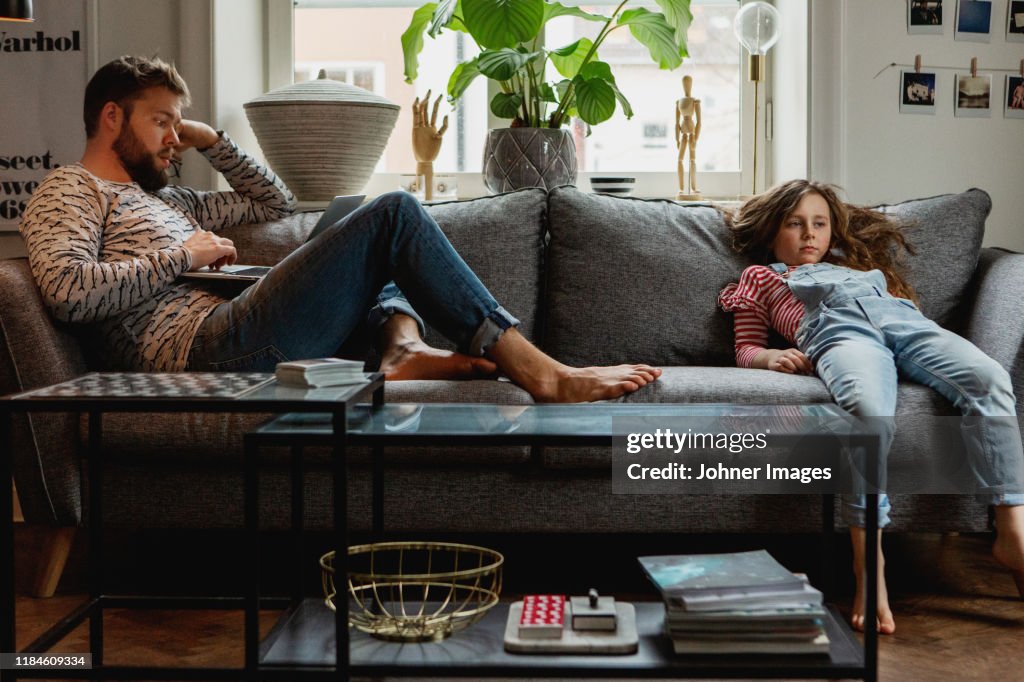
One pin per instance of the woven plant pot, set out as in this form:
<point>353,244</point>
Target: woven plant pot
<point>322,137</point>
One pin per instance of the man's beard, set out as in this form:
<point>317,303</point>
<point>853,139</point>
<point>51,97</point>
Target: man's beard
<point>140,164</point>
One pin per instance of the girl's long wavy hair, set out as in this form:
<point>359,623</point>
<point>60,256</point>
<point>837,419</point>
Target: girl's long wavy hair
<point>862,238</point>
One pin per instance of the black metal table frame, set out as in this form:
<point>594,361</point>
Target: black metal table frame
<point>92,609</point>
<point>256,440</point>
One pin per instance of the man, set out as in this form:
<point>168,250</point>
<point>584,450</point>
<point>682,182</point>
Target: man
<point>108,240</point>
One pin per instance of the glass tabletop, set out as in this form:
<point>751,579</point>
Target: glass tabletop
<point>589,420</point>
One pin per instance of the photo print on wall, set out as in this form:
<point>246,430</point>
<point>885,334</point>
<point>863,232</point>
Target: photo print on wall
<point>973,96</point>
<point>1014,106</point>
<point>973,21</point>
<point>1015,21</point>
<point>917,92</point>
<point>924,17</point>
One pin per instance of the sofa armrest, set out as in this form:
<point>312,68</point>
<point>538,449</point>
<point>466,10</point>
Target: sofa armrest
<point>995,321</point>
<point>269,243</point>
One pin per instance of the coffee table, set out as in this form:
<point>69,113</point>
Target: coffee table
<point>304,642</point>
<point>98,393</point>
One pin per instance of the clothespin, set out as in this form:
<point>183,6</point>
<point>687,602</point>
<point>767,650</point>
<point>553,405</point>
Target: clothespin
<point>917,63</point>
<point>974,67</point>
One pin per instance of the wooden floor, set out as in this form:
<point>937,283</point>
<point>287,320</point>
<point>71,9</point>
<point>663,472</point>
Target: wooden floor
<point>958,617</point>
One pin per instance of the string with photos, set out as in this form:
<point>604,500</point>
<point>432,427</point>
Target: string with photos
<point>974,67</point>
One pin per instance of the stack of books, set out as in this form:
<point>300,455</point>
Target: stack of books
<point>320,372</point>
<point>739,603</point>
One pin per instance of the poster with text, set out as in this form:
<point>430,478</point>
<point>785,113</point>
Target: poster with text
<point>43,72</point>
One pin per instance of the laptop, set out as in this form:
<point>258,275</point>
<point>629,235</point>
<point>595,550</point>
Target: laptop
<point>339,208</point>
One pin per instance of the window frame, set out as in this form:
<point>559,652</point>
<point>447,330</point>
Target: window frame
<point>651,184</point>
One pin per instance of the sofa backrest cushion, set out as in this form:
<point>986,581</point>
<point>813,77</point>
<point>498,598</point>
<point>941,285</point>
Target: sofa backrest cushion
<point>501,238</point>
<point>37,352</point>
<point>635,280</point>
<point>946,232</point>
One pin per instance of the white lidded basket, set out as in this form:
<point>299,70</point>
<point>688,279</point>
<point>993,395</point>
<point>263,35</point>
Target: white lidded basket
<point>323,137</point>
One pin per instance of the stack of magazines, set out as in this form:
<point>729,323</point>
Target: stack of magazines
<point>320,372</point>
<point>739,603</point>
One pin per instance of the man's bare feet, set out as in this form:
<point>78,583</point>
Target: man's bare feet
<point>586,384</point>
<point>417,360</point>
<point>886,622</point>
<point>549,381</point>
<point>1009,546</point>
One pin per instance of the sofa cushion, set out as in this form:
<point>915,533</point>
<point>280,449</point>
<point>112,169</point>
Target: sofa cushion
<point>946,232</point>
<point>634,280</point>
<point>38,352</point>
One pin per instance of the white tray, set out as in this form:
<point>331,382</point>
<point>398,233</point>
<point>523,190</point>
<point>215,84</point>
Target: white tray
<point>623,640</point>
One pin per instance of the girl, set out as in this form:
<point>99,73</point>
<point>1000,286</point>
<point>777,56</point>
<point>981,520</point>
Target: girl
<point>835,293</point>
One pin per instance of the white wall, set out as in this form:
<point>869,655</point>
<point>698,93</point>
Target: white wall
<point>789,142</point>
<point>860,139</point>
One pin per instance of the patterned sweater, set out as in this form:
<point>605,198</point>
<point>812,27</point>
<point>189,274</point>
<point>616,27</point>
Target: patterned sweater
<point>762,300</point>
<point>111,253</point>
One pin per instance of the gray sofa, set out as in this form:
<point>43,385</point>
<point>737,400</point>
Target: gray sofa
<point>594,280</point>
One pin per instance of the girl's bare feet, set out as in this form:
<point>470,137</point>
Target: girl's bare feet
<point>886,622</point>
<point>1009,546</point>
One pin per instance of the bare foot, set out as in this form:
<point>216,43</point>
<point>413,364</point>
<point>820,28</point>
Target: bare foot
<point>886,623</point>
<point>417,360</point>
<point>585,384</point>
<point>1009,546</point>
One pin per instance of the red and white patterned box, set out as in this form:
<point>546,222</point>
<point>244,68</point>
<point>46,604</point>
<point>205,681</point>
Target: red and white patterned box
<point>543,616</point>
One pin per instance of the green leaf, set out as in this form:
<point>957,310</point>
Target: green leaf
<point>496,24</point>
<point>547,93</point>
<point>506,105</point>
<point>651,29</point>
<point>603,71</point>
<point>412,40</point>
<point>555,9</point>
<point>598,69</point>
<point>595,99</point>
<point>678,15</point>
<point>569,58</point>
<point>442,16</point>
<point>501,65</point>
<point>461,78</point>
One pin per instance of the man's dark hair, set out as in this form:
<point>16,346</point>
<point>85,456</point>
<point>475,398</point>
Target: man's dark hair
<point>124,80</point>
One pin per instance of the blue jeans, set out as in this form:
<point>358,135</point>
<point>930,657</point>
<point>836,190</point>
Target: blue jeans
<point>859,336</point>
<point>351,276</point>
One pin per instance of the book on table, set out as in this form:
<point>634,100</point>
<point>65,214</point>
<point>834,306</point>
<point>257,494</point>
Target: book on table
<point>319,372</point>
<point>739,603</point>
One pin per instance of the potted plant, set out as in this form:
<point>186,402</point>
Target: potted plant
<point>536,151</point>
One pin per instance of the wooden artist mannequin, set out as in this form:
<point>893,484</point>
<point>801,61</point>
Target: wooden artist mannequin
<point>687,134</point>
<point>426,141</point>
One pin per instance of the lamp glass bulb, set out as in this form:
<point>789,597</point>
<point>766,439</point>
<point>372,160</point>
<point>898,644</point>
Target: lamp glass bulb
<point>757,27</point>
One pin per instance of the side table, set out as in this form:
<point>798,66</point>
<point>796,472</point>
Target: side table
<point>304,644</point>
<point>100,393</point>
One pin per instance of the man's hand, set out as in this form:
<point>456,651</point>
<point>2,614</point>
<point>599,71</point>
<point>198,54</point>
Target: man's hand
<point>194,134</point>
<point>789,361</point>
<point>206,248</point>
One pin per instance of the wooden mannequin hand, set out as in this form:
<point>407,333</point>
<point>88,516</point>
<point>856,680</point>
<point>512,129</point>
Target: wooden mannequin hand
<point>426,138</point>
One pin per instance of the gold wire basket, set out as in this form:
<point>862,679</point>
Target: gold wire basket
<point>416,591</point>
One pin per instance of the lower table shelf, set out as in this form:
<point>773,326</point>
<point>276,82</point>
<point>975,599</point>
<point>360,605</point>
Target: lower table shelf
<point>304,639</point>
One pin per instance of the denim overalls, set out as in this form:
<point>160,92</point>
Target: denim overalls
<point>858,336</point>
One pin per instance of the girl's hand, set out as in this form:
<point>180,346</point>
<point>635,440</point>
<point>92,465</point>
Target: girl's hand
<point>789,361</point>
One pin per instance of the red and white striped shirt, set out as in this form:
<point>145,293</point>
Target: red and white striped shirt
<point>761,301</point>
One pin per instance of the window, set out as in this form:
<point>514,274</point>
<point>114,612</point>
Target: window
<point>358,41</point>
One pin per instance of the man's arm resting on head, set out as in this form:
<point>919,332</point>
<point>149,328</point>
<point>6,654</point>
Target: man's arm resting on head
<point>258,194</point>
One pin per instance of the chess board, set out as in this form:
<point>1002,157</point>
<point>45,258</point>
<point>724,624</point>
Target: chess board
<point>126,385</point>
